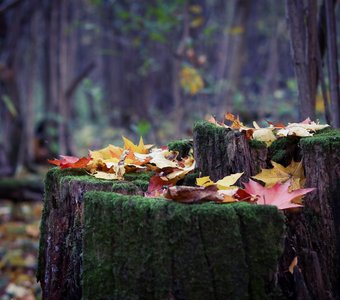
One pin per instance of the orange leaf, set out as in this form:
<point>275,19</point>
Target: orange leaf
<point>70,162</point>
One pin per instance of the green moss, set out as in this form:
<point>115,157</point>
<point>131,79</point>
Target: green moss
<point>152,248</point>
<point>327,137</point>
<point>257,144</point>
<point>209,128</point>
<point>142,184</point>
<point>182,146</point>
<point>138,176</point>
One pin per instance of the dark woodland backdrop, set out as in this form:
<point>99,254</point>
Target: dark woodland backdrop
<point>76,75</point>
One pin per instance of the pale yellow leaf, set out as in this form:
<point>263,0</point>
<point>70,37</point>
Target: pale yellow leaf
<point>204,181</point>
<point>228,181</point>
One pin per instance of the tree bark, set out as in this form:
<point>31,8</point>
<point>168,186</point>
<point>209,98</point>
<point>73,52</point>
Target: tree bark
<point>332,56</point>
<point>303,53</point>
<point>60,251</point>
<point>220,152</point>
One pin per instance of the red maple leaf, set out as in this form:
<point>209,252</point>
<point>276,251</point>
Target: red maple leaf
<point>277,195</point>
<point>70,162</point>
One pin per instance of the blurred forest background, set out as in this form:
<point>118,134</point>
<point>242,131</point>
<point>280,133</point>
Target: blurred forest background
<point>76,75</point>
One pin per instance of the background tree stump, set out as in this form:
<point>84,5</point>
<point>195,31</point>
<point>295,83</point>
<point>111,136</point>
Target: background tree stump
<point>220,152</point>
<point>61,229</point>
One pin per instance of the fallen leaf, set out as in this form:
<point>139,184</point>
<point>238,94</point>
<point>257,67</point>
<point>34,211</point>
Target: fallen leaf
<point>190,194</point>
<point>156,186</point>
<point>70,162</point>
<point>204,181</point>
<point>264,135</point>
<point>140,148</point>
<point>228,181</point>
<point>293,264</point>
<point>277,195</point>
<point>280,174</point>
<point>108,176</point>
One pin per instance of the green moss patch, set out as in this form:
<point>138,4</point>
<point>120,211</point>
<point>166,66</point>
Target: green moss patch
<point>142,248</point>
<point>182,146</point>
<point>326,138</point>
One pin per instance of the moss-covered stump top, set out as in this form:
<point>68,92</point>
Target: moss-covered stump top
<point>61,227</point>
<point>143,248</point>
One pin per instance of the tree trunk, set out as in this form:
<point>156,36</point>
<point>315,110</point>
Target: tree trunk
<point>303,47</point>
<point>332,56</point>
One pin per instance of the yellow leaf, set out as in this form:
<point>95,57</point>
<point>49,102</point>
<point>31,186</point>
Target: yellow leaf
<point>190,80</point>
<point>105,175</point>
<point>204,181</point>
<point>141,148</point>
<point>280,174</point>
<point>228,181</point>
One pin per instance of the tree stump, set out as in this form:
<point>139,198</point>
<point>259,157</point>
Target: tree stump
<point>313,234</point>
<point>101,245</point>
<point>61,240</point>
<point>220,152</point>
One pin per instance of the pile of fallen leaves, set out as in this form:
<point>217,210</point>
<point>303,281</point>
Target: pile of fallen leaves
<point>19,236</point>
<point>273,131</point>
<point>280,186</point>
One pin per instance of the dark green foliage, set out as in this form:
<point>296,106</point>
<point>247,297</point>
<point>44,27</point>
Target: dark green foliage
<point>140,248</point>
<point>182,146</point>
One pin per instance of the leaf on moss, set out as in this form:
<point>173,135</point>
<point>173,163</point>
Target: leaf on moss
<point>70,162</point>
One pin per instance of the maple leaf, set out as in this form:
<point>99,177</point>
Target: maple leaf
<point>156,186</point>
<point>277,195</point>
<point>141,148</point>
<point>236,123</point>
<point>70,162</point>
<point>222,184</point>
<point>280,174</point>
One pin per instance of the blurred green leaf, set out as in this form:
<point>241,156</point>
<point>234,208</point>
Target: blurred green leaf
<point>10,105</point>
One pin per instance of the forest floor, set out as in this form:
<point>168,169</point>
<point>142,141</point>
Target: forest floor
<point>19,242</point>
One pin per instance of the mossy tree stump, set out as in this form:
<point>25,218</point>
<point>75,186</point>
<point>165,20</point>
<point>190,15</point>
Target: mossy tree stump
<point>220,152</point>
<point>61,228</point>
<point>313,234</point>
<point>101,245</point>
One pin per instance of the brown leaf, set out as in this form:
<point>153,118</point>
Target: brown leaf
<point>189,194</point>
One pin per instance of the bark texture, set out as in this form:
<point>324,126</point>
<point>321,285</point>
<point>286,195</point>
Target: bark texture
<point>220,152</point>
<point>60,253</point>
